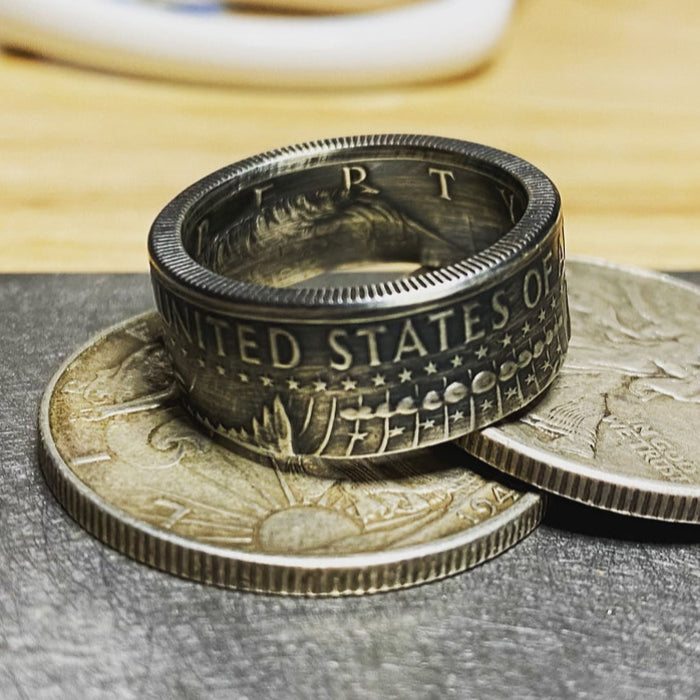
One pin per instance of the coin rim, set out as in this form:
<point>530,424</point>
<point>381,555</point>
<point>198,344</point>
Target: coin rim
<point>625,494</point>
<point>309,575</point>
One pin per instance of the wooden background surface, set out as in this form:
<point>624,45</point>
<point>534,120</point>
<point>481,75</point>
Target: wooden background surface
<point>603,95</point>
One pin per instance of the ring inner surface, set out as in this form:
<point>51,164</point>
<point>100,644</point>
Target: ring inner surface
<point>360,221</point>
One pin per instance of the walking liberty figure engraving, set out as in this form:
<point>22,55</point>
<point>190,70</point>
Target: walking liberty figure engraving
<point>627,342</point>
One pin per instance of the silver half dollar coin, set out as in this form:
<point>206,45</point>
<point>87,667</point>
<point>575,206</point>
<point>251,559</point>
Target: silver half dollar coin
<point>132,468</point>
<point>620,427</point>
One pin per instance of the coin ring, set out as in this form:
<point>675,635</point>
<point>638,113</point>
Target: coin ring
<point>370,369</point>
<point>121,502</point>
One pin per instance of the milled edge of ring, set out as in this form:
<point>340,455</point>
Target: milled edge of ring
<point>177,269</point>
<point>626,495</point>
<point>312,576</point>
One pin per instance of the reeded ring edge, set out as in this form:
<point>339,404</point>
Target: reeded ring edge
<point>170,262</point>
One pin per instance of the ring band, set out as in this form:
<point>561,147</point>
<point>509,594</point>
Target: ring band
<point>478,332</point>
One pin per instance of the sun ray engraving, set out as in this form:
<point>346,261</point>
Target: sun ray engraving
<point>143,403</point>
<point>90,459</point>
<point>196,504</point>
<point>179,511</point>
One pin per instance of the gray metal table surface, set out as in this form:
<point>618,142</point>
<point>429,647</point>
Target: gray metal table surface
<point>590,604</point>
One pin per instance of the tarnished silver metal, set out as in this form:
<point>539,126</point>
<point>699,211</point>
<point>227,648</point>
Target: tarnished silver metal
<point>277,365</point>
<point>620,427</point>
<point>131,467</point>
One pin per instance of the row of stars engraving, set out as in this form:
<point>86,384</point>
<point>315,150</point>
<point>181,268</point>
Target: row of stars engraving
<point>379,380</point>
<point>350,383</point>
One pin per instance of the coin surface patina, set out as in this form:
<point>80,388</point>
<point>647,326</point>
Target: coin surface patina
<point>620,427</point>
<point>131,467</point>
<point>275,364</point>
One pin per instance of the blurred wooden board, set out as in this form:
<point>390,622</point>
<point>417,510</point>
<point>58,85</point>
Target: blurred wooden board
<point>601,94</point>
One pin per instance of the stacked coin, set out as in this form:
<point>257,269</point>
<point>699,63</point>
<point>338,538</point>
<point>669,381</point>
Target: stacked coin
<point>619,429</point>
<point>268,431</point>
